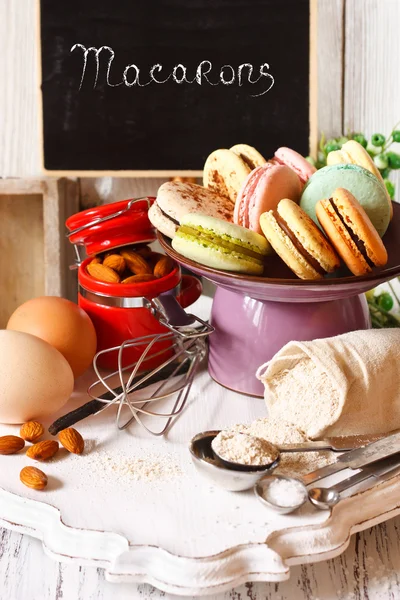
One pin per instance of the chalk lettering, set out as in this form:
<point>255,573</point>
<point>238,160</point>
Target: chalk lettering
<point>227,75</point>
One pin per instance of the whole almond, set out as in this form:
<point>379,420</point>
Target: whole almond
<point>153,259</point>
<point>11,444</point>
<point>163,266</point>
<point>97,260</point>
<point>115,262</point>
<point>31,431</point>
<point>33,478</point>
<point>135,262</point>
<point>43,450</point>
<point>139,278</point>
<point>103,273</point>
<point>72,440</point>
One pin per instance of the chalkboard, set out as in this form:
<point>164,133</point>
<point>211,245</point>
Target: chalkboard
<point>155,85</point>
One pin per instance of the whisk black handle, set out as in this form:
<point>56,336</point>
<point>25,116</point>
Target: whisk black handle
<point>94,406</point>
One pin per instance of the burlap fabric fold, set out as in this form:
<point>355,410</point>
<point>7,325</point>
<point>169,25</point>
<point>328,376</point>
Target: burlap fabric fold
<point>344,385</point>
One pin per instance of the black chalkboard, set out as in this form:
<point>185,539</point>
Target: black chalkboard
<point>116,124</point>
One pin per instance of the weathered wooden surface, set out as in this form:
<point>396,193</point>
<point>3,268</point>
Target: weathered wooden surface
<point>368,570</point>
<point>34,253</point>
<point>371,80</point>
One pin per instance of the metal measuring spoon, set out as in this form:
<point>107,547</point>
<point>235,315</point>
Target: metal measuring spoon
<point>261,490</point>
<point>210,466</point>
<point>262,444</point>
<point>325,498</point>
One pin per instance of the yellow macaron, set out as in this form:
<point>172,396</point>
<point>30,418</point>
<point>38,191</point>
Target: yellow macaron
<point>353,153</point>
<point>298,241</point>
<point>224,173</point>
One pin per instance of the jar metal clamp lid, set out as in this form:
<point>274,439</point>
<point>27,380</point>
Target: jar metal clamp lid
<point>111,226</point>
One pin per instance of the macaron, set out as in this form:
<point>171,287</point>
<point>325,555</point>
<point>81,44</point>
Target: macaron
<point>294,160</point>
<point>262,190</point>
<point>221,245</point>
<point>351,232</point>
<point>298,241</point>
<point>224,172</point>
<point>175,199</point>
<point>359,181</point>
<point>353,153</point>
<point>249,155</point>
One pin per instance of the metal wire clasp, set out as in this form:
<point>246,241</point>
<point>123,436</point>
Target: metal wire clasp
<point>118,213</point>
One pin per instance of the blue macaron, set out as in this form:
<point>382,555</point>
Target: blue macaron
<point>361,183</point>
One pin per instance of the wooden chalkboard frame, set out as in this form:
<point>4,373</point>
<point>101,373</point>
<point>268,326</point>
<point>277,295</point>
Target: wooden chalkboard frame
<point>313,114</point>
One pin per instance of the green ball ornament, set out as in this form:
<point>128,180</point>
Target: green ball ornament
<point>393,159</point>
<point>396,136</point>
<point>377,139</point>
<point>385,301</point>
<point>361,139</point>
<point>331,147</point>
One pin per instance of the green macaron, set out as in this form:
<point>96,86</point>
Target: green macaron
<point>361,183</point>
<point>221,245</point>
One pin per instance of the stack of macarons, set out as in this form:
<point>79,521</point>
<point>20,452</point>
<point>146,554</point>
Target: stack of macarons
<point>349,234</point>
<point>301,213</point>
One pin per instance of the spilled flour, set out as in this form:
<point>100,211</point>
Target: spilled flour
<point>118,466</point>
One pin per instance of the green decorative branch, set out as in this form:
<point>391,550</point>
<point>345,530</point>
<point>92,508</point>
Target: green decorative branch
<point>378,147</point>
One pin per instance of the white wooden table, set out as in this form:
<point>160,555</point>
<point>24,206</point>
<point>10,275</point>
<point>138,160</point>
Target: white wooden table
<point>369,569</point>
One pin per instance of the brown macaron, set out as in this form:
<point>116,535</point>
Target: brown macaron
<point>298,241</point>
<point>351,232</point>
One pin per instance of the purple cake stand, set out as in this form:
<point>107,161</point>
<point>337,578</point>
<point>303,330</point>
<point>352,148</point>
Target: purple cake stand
<point>255,316</point>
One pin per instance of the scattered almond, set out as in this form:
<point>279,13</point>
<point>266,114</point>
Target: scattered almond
<point>43,450</point>
<point>31,431</point>
<point>135,262</point>
<point>139,278</point>
<point>11,444</point>
<point>163,267</point>
<point>33,478</point>
<point>72,440</point>
<point>103,273</point>
<point>115,262</point>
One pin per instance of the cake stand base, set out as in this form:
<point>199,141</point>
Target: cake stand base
<point>248,332</point>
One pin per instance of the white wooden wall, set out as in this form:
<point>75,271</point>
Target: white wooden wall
<point>358,84</point>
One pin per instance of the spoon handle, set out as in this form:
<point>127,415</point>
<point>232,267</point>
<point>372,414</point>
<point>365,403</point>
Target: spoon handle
<point>306,446</point>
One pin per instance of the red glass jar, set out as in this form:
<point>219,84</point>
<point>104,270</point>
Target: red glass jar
<point>119,311</point>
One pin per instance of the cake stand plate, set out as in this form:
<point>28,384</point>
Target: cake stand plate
<point>254,317</point>
<point>175,531</point>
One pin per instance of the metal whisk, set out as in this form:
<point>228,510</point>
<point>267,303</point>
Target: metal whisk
<point>186,337</point>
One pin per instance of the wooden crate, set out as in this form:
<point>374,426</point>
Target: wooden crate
<point>34,253</point>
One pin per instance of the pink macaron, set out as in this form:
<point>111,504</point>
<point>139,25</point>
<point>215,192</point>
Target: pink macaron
<point>294,160</point>
<point>263,188</point>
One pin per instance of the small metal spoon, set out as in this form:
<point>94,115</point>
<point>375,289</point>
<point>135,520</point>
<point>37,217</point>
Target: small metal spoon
<point>325,498</point>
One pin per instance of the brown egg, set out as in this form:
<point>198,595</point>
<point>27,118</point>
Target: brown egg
<point>62,324</point>
<point>35,379</point>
